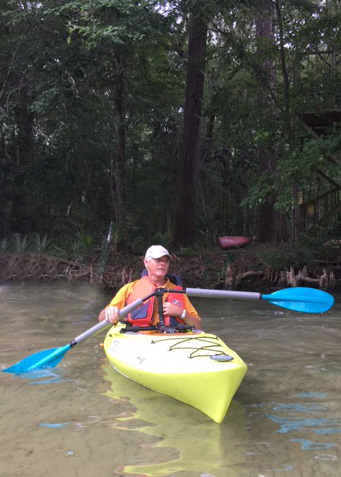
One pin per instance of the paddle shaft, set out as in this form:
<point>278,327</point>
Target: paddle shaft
<point>103,324</point>
<point>239,295</point>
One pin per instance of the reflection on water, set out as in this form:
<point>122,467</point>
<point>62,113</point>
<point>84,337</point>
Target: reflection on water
<point>42,376</point>
<point>82,418</point>
<point>192,442</point>
<point>309,418</point>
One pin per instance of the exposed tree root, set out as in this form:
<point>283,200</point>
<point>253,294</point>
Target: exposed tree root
<point>208,271</point>
<point>323,279</point>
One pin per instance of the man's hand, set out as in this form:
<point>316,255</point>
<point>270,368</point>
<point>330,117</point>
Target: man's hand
<point>169,309</point>
<point>111,314</point>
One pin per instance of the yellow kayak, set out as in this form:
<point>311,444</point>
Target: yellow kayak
<point>196,368</point>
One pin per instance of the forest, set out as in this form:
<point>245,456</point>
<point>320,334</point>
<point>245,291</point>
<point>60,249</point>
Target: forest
<point>169,122</point>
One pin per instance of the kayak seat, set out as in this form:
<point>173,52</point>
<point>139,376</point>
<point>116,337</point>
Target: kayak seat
<point>175,279</point>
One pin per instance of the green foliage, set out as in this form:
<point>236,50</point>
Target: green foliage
<point>114,22</point>
<point>5,245</point>
<point>20,243</point>
<point>80,248</point>
<point>282,260</point>
<point>262,188</point>
<point>32,243</point>
<point>81,243</point>
<point>77,247</point>
<point>186,252</point>
<point>309,249</point>
<point>60,118</point>
<point>164,239</point>
<point>318,153</point>
<point>40,244</point>
<point>296,166</point>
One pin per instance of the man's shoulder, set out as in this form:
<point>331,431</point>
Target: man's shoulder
<point>170,285</point>
<point>128,286</point>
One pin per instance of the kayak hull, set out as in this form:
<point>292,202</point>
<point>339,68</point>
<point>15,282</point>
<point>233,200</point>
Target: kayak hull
<point>233,241</point>
<point>195,368</point>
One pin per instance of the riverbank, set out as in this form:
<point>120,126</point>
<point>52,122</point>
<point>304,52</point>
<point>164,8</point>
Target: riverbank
<point>256,266</point>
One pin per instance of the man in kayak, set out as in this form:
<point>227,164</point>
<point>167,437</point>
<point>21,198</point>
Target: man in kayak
<point>176,307</point>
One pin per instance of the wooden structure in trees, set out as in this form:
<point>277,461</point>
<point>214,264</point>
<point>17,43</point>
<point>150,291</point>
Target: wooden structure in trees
<point>325,208</point>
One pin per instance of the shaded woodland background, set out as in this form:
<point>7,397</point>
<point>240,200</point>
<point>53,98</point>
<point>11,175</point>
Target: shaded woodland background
<point>169,122</point>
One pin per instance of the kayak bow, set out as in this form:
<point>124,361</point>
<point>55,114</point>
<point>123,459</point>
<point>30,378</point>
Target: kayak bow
<point>196,368</point>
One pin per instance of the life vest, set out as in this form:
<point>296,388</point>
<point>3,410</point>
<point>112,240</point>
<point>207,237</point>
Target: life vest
<point>143,316</point>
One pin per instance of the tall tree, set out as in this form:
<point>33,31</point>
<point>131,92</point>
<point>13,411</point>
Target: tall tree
<point>120,205</point>
<point>269,219</point>
<point>184,231</point>
<point>115,31</point>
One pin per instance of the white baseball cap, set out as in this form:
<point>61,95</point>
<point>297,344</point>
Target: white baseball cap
<point>157,251</point>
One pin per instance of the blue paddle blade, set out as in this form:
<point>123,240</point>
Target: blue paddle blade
<point>303,299</point>
<point>48,358</point>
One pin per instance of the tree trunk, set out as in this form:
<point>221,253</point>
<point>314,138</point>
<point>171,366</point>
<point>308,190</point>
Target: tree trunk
<point>119,165</point>
<point>22,160</point>
<point>184,231</point>
<point>269,219</point>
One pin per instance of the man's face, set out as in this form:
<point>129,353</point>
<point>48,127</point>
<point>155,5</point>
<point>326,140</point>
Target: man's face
<point>157,267</point>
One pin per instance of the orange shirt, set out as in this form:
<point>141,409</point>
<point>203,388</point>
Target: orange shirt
<point>121,296</point>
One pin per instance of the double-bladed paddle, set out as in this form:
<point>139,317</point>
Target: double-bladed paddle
<point>302,299</point>
<point>307,300</point>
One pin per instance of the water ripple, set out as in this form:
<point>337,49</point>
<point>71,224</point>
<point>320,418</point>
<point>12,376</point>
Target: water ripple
<point>292,421</point>
<point>309,445</point>
<point>50,425</point>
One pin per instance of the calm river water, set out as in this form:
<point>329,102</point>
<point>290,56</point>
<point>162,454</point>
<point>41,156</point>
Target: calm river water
<point>83,419</point>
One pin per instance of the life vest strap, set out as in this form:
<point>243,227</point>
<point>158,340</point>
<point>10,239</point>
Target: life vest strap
<point>161,329</point>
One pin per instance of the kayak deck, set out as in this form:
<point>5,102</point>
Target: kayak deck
<point>196,368</point>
